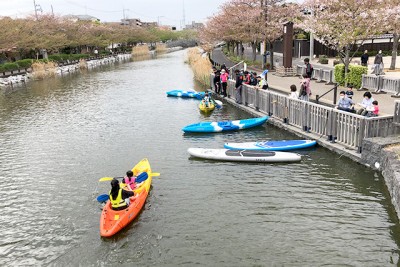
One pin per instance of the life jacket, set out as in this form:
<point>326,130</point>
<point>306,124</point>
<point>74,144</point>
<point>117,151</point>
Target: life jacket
<point>130,181</point>
<point>118,202</point>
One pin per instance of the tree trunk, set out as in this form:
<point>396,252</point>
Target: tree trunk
<point>396,37</point>
<point>254,48</point>
<point>237,49</point>
<point>271,55</point>
<point>346,64</point>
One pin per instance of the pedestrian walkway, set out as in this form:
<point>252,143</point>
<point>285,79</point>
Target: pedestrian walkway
<point>282,84</point>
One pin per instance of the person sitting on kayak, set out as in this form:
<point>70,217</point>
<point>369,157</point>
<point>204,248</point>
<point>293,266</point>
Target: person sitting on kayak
<point>119,197</point>
<point>206,100</point>
<point>130,180</point>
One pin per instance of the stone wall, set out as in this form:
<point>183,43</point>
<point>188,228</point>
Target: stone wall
<point>383,154</point>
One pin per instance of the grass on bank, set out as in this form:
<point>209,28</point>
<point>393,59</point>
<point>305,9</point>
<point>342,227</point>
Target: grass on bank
<point>142,50</point>
<point>200,65</point>
<point>41,70</point>
<point>161,48</point>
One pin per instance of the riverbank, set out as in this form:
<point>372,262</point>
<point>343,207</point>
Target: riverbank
<point>60,69</point>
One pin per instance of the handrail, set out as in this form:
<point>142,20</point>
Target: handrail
<point>236,65</point>
<point>317,97</point>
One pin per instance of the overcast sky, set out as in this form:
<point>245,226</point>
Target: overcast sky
<point>167,12</point>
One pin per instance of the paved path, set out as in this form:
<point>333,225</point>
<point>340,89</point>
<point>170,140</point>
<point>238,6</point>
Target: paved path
<point>282,84</point>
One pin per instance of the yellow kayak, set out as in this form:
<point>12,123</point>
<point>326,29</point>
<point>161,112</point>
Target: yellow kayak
<point>206,108</point>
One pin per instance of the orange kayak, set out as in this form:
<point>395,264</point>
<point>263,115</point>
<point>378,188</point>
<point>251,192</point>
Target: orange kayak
<point>112,221</point>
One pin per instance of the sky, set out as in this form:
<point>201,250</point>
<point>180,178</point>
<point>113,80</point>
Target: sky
<point>166,12</point>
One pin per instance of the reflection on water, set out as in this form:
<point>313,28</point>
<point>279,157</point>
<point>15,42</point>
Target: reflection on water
<point>59,136</point>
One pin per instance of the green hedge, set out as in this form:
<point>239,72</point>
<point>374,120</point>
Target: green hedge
<point>62,57</point>
<point>8,67</point>
<point>24,63</point>
<point>354,75</point>
<point>339,74</point>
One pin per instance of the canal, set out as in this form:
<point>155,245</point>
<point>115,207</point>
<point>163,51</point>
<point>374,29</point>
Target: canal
<point>59,136</point>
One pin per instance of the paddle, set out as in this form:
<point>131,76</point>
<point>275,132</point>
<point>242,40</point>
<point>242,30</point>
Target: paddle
<point>102,198</point>
<point>153,174</point>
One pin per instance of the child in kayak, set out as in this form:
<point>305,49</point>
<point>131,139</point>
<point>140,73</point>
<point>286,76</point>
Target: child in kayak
<point>129,180</point>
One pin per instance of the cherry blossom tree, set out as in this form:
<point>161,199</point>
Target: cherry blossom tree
<point>343,25</point>
<point>391,17</point>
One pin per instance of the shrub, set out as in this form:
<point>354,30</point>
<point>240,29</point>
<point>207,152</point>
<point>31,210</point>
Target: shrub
<point>339,74</point>
<point>354,76</point>
<point>8,67</point>
<point>335,62</point>
<point>301,36</point>
<point>323,60</point>
<point>24,63</point>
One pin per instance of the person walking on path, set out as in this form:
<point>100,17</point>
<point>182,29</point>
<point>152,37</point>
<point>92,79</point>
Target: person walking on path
<point>309,68</point>
<point>224,81</point>
<point>378,64</point>
<point>364,59</point>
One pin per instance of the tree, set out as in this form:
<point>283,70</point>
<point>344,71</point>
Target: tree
<point>343,25</point>
<point>391,17</point>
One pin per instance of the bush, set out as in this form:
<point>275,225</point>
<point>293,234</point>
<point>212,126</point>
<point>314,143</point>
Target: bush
<point>339,74</point>
<point>8,67</point>
<point>335,62</point>
<point>24,63</point>
<point>354,76</point>
<point>323,60</point>
<point>301,36</point>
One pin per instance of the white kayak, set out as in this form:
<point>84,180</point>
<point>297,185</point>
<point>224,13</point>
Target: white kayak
<point>244,155</point>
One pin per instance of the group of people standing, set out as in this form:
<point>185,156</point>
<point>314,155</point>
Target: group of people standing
<point>241,77</point>
<point>221,77</point>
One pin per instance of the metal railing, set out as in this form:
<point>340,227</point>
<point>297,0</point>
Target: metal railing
<point>346,128</point>
<point>319,74</point>
<point>380,83</point>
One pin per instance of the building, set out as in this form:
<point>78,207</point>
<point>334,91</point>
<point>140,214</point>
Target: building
<point>132,22</point>
<point>194,26</point>
<point>76,18</point>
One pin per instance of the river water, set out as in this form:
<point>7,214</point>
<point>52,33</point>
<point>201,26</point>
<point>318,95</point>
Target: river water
<point>59,136</point>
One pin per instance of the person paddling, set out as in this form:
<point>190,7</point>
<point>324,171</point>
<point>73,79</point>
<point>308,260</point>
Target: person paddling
<point>119,197</point>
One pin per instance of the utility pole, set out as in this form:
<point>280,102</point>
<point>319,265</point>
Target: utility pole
<point>264,6</point>
<point>52,11</point>
<point>184,23</point>
<point>311,38</point>
<point>158,20</point>
<point>37,8</point>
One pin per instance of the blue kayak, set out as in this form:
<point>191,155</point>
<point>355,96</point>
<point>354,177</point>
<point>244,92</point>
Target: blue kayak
<point>186,94</point>
<point>222,126</point>
<point>282,145</point>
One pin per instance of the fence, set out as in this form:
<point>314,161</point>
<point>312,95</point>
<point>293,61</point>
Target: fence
<point>339,126</point>
<point>319,74</point>
<point>381,83</point>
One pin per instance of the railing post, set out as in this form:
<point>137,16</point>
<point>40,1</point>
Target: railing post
<point>334,94</point>
<point>257,100</point>
<point>361,133</point>
<point>286,115</point>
